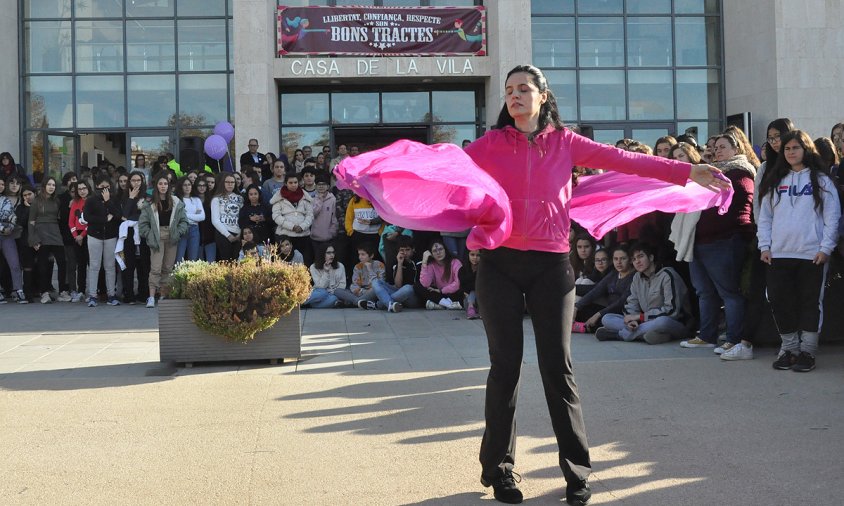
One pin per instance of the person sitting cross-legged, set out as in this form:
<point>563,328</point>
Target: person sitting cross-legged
<point>360,292</point>
<point>398,295</point>
<point>656,309</point>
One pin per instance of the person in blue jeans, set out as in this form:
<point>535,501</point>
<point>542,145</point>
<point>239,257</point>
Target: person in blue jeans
<point>398,295</point>
<point>656,308</point>
<point>328,275</point>
<point>188,248</point>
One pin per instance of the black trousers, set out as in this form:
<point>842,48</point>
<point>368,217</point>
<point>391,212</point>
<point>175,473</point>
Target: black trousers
<point>226,250</point>
<point>794,289</point>
<point>45,268</point>
<point>135,265</point>
<point>507,279</point>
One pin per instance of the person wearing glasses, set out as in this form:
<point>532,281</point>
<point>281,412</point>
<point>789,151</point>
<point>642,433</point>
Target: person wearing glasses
<point>225,213</point>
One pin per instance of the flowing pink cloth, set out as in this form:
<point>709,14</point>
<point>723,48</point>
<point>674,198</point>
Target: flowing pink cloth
<point>440,188</point>
<point>435,187</point>
<point>601,203</point>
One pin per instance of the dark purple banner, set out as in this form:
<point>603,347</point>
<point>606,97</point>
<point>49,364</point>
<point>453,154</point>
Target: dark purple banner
<point>390,31</point>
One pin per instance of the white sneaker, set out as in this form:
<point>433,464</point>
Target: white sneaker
<point>150,302</point>
<point>45,298</point>
<point>64,297</point>
<point>725,346</point>
<point>21,297</point>
<point>2,299</point>
<point>432,305</point>
<point>395,307</point>
<point>75,296</point>
<point>455,305</point>
<point>445,302</point>
<point>738,352</point>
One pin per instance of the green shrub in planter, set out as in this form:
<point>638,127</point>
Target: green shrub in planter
<point>236,300</point>
<point>182,274</point>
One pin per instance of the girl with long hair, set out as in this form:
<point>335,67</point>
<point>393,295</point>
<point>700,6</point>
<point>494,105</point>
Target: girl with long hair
<point>162,224</point>
<point>530,153</point>
<point>103,214</point>
<point>797,230</point>
<point>79,232</point>
<point>328,276</point>
<point>204,187</point>
<point>439,283</point>
<point>46,239</point>
<point>225,211</point>
<point>9,232</point>
<point>195,213</point>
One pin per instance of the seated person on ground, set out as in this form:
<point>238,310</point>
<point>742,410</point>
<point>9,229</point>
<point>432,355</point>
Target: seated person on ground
<point>395,297</point>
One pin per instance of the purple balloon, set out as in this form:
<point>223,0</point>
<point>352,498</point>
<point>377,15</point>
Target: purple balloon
<point>216,147</point>
<point>225,130</point>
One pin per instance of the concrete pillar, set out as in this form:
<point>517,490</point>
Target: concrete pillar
<point>509,43</point>
<point>255,94</point>
<point>10,134</point>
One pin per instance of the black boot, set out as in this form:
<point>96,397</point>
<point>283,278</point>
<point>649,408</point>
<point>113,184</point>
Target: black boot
<point>578,493</point>
<point>504,487</point>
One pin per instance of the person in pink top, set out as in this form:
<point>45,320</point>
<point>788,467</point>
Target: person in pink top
<point>439,284</point>
<point>531,155</point>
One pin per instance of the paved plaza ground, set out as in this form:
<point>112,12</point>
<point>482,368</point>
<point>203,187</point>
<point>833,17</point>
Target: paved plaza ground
<point>388,409</point>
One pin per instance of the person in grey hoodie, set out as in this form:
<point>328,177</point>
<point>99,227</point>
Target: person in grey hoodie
<point>657,307</point>
<point>324,226</point>
<point>797,228</point>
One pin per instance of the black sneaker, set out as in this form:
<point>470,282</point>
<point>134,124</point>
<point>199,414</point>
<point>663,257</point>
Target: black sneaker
<point>605,334</point>
<point>578,493</point>
<point>504,487</point>
<point>785,361</point>
<point>805,362</point>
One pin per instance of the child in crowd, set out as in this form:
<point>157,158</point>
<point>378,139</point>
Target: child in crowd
<point>656,308</point>
<point>798,223</point>
<point>328,276</point>
<point>365,273</point>
<point>439,285</point>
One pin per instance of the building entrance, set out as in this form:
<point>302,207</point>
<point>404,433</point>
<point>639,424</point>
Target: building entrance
<point>368,138</point>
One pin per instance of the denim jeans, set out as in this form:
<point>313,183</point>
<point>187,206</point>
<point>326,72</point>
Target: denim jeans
<point>209,252</point>
<point>321,298</point>
<point>189,245</point>
<point>716,276</point>
<point>662,324</point>
<point>388,293</point>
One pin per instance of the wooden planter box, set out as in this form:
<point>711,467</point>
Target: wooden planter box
<point>179,340</point>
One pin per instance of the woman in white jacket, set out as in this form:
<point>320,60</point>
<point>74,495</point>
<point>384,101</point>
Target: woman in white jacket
<point>797,230</point>
<point>328,275</point>
<point>293,213</point>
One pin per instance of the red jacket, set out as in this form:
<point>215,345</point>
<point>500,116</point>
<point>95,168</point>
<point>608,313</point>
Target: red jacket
<point>77,228</point>
<point>537,178</point>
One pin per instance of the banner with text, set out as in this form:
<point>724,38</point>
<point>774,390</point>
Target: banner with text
<point>388,31</point>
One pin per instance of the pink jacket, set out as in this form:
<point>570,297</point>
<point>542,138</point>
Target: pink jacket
<point>537,178</point>
<point>432,275</point>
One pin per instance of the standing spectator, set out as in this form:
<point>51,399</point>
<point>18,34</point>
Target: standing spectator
<point>141,165</point>
<point>308,176</point>
<point>324,226</point>
<point>136,253</point>
<point>797,230</point>
<point>257,215</point>
<point>225,212</point>
<point>10,230</point>
<point>272,185</point>
<point>195,213</point>
<point>205,191</point>
<point>102,212</point>
<point>162,224</point>
<point>8,167</point>
<point>293,214</point>
<point>342,154</point>
<point>298,160</point>
<point>66,196</point>
<point>362,222</point>
<point>26,252</point>
<point>46,239</point>
<point>78,273</point>
<point>253,158</point>
<point>663,146</point>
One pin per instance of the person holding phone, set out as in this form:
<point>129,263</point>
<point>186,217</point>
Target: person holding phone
<point>103,213</point>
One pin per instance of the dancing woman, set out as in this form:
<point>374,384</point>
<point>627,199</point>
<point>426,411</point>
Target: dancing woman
<point>531,154</point>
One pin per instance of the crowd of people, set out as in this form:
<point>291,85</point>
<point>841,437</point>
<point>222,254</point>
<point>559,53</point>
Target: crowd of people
<point>114,236</point>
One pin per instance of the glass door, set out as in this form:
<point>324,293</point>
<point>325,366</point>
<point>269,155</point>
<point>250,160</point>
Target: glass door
<point>146,147</point>
<point>61,154</point>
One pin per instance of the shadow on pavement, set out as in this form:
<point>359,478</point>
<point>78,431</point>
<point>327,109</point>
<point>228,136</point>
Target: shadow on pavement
<point>82,378</point>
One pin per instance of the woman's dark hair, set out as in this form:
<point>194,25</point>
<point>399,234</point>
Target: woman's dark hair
<point>826,148</point>
<point>548,112</point>
<point>246,193</point>
<point>142,191</point>
<point>21,183</point>
<point>67,177</point>
<point>158,203</point>
<point>180,193</point>
<point>583,266</point>
<point>783,126</point>
<point>811,159</point>
<point>319,259</point>
<point>446,260</point>
<point>74,188</point>
<point>6,154</point>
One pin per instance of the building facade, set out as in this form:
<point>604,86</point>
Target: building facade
<point>112,79</point>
